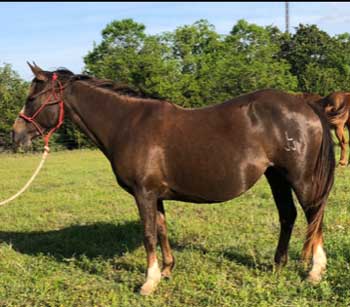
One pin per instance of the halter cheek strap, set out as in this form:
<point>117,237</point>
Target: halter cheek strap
<point>48,101</point>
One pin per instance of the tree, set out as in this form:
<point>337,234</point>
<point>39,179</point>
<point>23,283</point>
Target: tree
<point>115,56</point>
<point>321,80</point>
<point>315,58</point>
<point>174,65</point>
<point>251,62</point>
<point>13,92</point>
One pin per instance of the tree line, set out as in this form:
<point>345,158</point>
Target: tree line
<point>195,66</point>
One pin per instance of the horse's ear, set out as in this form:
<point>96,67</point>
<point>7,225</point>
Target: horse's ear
<point>38,72</point>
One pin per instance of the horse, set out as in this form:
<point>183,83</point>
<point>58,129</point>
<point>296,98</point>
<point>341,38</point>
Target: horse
<point>160,151</point>
<point>337,107</point>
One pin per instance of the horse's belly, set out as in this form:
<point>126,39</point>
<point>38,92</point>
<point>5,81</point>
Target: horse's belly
<point>216,183</point>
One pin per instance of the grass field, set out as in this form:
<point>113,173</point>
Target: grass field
<point>74,239</point>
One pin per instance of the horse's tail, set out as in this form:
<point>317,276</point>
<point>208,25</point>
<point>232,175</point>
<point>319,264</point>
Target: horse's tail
<point>323,178</point>
<point>339,113</point>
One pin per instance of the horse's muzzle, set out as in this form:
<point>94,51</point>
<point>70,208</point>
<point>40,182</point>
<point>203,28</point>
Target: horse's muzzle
<point>20,134</point>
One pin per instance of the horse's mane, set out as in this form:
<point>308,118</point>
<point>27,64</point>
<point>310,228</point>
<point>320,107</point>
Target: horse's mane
<point>116,87</point>
<point>308,97</point>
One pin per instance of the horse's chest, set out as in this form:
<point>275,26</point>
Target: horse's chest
<point>139,166</point>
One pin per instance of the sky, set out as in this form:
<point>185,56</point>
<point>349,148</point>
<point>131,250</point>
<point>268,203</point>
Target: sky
<point>60,34</point>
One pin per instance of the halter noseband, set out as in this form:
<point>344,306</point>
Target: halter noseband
<point>48,101</point>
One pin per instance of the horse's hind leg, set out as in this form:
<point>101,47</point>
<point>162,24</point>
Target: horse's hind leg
<point>168,258</point>
<point>314,237</point>
<point>314,243</point>
<point>282,194</point>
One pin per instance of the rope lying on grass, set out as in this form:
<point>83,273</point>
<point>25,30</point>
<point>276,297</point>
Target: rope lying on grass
<point>45,154</point>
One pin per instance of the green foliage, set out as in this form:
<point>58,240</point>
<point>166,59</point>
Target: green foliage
<point>320,62</point>
<point>196,49</point>
<point>13,91</point>
<point>321,80</point>
<point>308,45</point>
<point>121,41</point>
<point>155,73</point>
<point>74,239</point>
<point>193,65</point>
<point>251,62</point>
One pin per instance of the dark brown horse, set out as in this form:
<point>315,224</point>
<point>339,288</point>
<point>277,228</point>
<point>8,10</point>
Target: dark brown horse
<point>159,151</point>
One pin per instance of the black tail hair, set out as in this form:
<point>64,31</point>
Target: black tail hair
<point>323,178</point>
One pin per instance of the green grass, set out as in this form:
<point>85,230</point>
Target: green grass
<point>74,239</point>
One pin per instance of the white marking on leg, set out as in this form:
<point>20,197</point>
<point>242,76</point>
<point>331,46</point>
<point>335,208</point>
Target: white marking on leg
<point>319,261</point>
<point>153,278</point>
<point>153,272</point>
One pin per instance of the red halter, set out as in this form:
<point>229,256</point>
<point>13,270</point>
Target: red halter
<point>48,101</point>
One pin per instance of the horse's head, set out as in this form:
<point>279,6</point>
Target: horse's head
<point>42,111</point>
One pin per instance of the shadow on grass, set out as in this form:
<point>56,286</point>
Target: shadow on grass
<point>236,255</point>
<point>248,261</point>
<point>105,240</point>
<point>96,240</point>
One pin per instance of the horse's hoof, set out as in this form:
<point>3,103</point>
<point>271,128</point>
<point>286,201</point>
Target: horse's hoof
<point>167,269</point>
<point>166,273</point>
<point>281,260</point>
<point>314,278</point>
<point>148,287</point>
<point>341,164</point>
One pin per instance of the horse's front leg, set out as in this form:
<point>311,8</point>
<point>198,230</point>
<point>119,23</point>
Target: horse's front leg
<point>147,205</point>
<point>168,258</point>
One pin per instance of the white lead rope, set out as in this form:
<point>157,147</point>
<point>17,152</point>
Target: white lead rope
<point>45,154</point>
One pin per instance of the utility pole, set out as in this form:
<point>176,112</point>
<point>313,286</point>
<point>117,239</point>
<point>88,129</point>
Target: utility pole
<point>287,16</point>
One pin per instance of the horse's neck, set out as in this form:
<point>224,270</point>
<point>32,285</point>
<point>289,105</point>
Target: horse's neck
<point>97,113</point>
